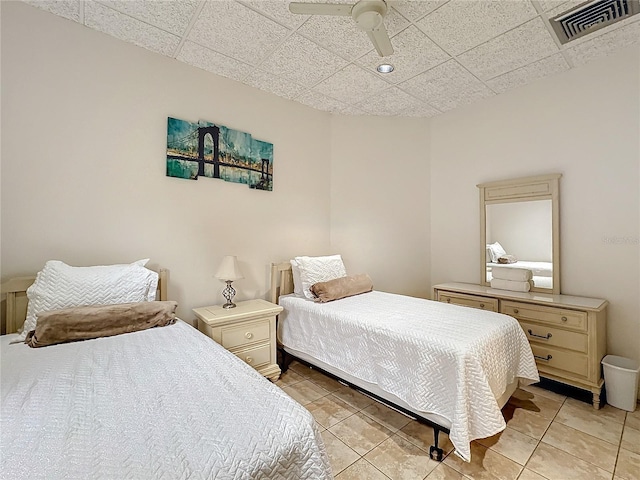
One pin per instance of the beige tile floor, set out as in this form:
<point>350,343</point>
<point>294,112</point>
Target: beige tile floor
<point>548,436</point>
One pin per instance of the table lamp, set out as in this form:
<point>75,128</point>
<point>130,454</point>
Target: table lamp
<point>228,272</point>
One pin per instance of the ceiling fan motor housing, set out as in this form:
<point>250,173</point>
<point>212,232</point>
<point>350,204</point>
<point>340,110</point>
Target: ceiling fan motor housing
<point>369,14</point>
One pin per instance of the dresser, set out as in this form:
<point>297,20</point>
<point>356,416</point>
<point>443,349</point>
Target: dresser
<point>248,331</point>
<point>567,333</point>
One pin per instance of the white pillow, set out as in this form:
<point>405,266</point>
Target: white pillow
<point>496,251</point>
<point>59,285</point>
<point>297,281</point>
<point>319,269</point>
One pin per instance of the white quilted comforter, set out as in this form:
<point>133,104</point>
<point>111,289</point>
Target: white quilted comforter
<point>439,358</point>
<point>165,403</point>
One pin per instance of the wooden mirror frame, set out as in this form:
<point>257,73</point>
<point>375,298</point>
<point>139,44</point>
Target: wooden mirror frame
<point>544,187</point>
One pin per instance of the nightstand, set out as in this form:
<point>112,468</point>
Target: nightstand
<point>248,331</point>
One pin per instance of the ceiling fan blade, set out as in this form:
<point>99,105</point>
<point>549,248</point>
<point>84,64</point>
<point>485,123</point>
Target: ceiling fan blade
<point>320,8</point>
<point>381,41</point>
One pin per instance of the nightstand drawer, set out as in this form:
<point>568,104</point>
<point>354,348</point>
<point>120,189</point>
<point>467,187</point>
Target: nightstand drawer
<point>245,334</point>
<point>482,303</point>
<point>256,356</point>
<point>547,358</point>
<point>546,335</point>
<point>555,316</point>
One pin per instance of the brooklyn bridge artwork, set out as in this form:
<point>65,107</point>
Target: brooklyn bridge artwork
<point>204,149</point>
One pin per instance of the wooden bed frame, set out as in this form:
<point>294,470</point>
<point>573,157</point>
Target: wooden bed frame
<point>15,290</point>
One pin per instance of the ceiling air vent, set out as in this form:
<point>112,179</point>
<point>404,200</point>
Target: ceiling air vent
<point>591,16</point>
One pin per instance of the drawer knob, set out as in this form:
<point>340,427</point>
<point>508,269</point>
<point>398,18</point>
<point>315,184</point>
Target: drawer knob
<point>448,300</point>
<point>564,319</point>
<point>248,360</point>
<point>248,335</point>
<point>482,305</point>
<point>515,310</point>
<point>543,337</point>
<point>544,359</point>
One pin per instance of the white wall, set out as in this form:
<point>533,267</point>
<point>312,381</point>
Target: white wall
<point>380,200</point>
<point>583,124</point>
<point>83,163</point>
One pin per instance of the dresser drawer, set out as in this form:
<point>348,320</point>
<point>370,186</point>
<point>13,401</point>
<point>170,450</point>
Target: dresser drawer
<point>553,316</point>
<point>256,356</point>
<point>547,358</point>
<point>555,337</point>
<point>245,334</point>
<point>473,301</point>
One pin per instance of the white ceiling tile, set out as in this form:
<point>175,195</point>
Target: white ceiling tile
<point>273,84</point>
<point>605,44</point>
<point>523,45</point>
<point>321,102</point>
<point>236,31</point>
<point>339,34</point>
<point>129,29</point>
<point>351,110</point>
<point>547,5</point>
<point>413,54</point>
<point>441,81</point>
<point>419,109</point>
<point>462,97</point>
<point>214,62</point>
<point>278,10</point>
<point>65,8</point>
<point>351,85</point>
<point>529,73</point>
<point>391,101</point>
<point>414,9</point>
<point>462,24</point>
<point>302,61</point>
<point>173,16</point>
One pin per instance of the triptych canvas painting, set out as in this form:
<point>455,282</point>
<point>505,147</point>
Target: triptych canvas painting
<point>215,151</point>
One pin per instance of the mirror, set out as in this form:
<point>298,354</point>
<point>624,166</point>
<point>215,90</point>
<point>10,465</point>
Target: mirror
<point>520,229</point>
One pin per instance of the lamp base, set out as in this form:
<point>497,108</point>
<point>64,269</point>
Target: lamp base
<point>228,293</point>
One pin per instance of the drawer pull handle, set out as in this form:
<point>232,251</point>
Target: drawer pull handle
<point>248,360</point>
<point>564,319</point>
<point>482,305</point>
<point>448,300</point>
<point>248,335</point>
<point>544,359</point>
<point>543,337</point>
<point>515,310</point>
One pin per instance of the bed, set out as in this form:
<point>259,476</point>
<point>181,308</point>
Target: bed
<point>448,366</point>
<point>165,402</point>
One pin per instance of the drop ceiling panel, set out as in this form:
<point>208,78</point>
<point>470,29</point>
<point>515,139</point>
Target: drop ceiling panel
<point>420,109</point>
<point>321,102</point>
<point>65,8</point>
<point>277,10</point>
<point>213,62</point>
<point>124,27</point>
<point>236,31</point>
<point>302,61</point>
<point>274,84</point>
<point>521,46</point>
<point>341,85</point>
<point>529,73</point>
<point>173,16</point>
<point>415,9</point>
<point>462,24</point>
<point>413,53</point>
<point>391,101</point>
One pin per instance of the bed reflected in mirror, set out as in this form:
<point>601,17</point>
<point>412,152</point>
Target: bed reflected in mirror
<point>524,232</point>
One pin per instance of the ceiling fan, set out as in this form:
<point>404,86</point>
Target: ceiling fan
<point>368,15</point>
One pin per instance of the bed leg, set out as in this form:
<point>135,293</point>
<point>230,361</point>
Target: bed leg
<point>284,359</point>
<point>435,453</point>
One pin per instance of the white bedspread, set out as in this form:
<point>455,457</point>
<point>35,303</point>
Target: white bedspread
<point>439,358</point>
<point>162,403</point>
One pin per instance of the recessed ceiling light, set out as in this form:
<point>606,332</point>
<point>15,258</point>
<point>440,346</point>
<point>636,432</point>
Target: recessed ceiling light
<point>385,68</point>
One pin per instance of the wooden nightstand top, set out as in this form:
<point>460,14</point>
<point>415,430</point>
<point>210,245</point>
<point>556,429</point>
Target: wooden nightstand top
<point>250,309</point>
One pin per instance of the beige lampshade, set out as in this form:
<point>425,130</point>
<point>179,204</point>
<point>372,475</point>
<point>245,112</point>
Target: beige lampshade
<point>229,269</point>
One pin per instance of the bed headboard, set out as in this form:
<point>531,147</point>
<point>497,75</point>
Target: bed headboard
<point>281,280</point>
<point>15,289</point>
